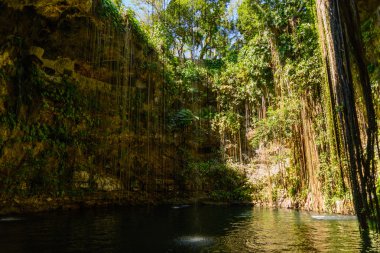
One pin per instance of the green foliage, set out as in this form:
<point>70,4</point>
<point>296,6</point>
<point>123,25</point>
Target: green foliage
<point>245,79</point>
<point>231,82</point>
<point>369,30</point>
<point>278,124</point>
<point>371,38</point>
<point>36,132</point>
<point>118,3</point>
<point>138,30</point>
<point>197,28</point>
<point>182,119</point>
<point>9,119</point>
<point>259,15</point>
<point>42,116</point>
<point>214,64</point>
<point>227,122</point>
<point>190,74</point>
<point>305,75</point>
<point>3,76</point>
<point>109,10</point>
<point>220,181</point>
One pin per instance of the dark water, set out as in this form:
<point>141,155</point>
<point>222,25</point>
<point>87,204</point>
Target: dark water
<point>185,229</point>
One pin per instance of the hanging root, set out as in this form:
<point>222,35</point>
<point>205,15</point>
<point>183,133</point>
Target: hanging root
<point>341,38</point>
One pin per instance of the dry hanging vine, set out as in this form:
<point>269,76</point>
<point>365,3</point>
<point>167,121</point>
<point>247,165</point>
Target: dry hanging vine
<point>342,51</point>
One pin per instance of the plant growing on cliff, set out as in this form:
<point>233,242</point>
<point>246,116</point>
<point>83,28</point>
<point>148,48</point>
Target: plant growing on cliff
<point>182,119</point>
<point>278,124</point>
<point>219,181</point>
<point>109,10</point>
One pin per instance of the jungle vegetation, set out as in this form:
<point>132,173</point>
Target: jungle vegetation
<point>302,75</point>
<point>248,100</point>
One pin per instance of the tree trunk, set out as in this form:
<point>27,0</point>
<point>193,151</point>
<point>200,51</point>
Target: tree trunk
<point>340,41</point>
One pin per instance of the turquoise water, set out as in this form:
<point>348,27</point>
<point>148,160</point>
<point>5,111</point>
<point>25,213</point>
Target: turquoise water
<point>183,229</point>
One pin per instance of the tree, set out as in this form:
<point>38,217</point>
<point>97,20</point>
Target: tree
<point>342,50</point>
<point>193,28</point>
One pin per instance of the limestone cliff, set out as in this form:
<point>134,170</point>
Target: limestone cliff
<point>82,103</point>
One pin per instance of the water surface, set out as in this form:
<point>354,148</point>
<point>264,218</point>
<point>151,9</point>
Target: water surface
<point>183,229</point>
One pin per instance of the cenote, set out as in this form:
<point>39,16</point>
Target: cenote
<point>183,229</point>
<point>130,105</point>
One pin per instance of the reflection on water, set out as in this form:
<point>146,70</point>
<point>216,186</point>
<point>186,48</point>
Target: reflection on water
<point>292,231</point>
<point>194,241</point>
<point>5,219</point>
<point>190,229</point>
<point>334,217</point>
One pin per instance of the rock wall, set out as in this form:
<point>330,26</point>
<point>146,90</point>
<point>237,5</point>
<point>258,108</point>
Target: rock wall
<point>83,103</point>
<point>369,12</point>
